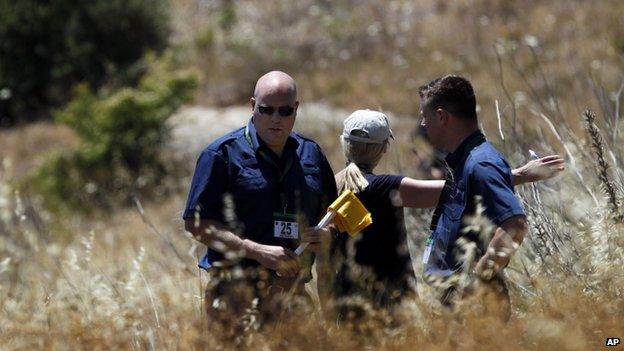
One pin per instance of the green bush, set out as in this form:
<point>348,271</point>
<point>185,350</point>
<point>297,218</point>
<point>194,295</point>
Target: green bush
<point>122,133</point>
<point>48,46</point>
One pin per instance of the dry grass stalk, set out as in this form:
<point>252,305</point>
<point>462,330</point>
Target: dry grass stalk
<point>597,144</point>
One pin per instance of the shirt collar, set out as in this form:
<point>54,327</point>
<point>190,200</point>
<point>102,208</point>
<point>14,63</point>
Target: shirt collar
<point>458,156</point>
<point>251,135</point>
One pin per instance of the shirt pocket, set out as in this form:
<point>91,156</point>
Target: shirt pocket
<point>312,175</point>
<point>454,210</point>
<point>249,177</point>
<point>456,203</point>
<point>452,218</point>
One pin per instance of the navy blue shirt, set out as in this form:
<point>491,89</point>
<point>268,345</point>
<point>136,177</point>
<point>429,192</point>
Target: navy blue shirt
<point>476,169</point>
<point>382,246</point>
<point>260,184</point>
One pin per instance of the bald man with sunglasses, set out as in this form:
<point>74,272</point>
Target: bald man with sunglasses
<point>256,194</point>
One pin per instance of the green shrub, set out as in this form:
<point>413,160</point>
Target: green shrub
<point>48,46</point>
<point>122,133</point>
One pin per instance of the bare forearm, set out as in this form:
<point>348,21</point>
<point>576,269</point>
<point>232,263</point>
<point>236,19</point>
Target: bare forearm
<point>323,281</point>
<point>418,193</point>
<point>320,242</point>
<point>501,248</point>
<point>507,238</point>
<point>521,176</point>
<point>217,236</point>
<point>517,178</point>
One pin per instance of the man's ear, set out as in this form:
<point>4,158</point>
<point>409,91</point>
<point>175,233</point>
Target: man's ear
<point>442,115</point>
<point>252,101</point>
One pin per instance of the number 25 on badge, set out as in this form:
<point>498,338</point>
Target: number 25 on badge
<point>285,226</point>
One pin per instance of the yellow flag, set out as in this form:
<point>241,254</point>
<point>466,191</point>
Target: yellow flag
<point>351,215</point>
<point>348,213</point>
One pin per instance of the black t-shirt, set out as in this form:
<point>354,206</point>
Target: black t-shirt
<point>382,246</point>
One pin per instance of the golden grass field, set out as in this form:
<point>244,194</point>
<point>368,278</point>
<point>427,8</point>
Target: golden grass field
<point>126,279</point>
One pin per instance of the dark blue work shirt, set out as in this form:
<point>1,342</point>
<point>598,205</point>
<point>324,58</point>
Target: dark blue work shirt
<point>476,169</point>
<point>260,183</point>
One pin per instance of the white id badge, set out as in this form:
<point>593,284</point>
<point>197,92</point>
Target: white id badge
<point>427,251</point>
<point>285,226</point>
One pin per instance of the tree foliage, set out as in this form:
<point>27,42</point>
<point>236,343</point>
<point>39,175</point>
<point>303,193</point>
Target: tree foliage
<point>122,133</point>
<point>48,46</point>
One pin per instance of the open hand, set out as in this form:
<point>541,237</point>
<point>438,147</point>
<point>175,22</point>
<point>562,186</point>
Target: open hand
<point>540,169</point>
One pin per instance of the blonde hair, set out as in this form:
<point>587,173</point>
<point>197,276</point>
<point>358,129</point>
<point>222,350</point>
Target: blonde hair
<point>360,156</point>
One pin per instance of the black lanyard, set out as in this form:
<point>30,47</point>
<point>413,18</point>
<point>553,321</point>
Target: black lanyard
<point>281,169</point>
<point>448,184</point>
<point>449,177</point>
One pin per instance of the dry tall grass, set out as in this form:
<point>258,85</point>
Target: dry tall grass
<point>128,280</point>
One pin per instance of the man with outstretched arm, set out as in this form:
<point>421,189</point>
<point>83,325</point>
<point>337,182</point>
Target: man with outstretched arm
<point>477,175</point>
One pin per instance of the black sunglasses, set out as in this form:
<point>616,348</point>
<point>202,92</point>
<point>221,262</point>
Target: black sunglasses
<point>283,111</point>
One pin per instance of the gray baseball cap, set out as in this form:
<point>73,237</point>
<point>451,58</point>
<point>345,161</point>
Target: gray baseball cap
<point>367,126</point>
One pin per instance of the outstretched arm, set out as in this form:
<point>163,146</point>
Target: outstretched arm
<point>418,193</point>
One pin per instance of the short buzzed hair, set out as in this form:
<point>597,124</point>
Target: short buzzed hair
<point>451,93</point>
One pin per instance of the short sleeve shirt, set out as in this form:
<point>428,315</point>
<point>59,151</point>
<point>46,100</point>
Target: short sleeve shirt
<point>477,170</point>
<point>239,181</point>
<point>382,246</point>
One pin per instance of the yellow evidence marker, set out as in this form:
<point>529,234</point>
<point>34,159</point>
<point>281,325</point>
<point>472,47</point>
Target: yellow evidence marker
<point>347,212</point>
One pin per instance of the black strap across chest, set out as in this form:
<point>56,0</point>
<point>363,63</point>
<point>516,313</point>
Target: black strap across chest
<point>449,177</point>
